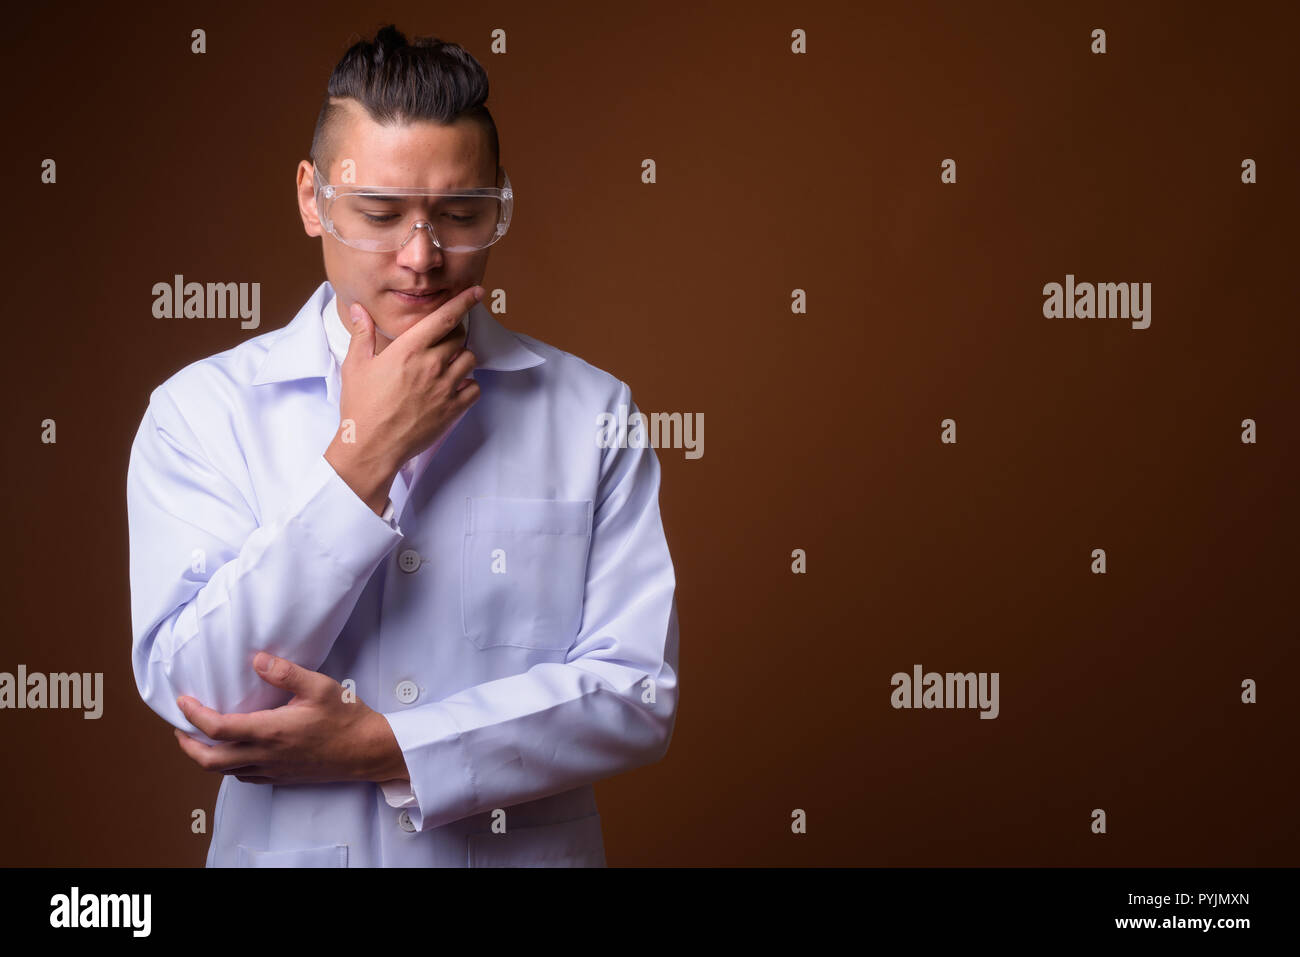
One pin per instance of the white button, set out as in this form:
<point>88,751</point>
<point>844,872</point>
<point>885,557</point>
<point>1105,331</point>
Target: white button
<point>407,691</point>
<point>404,821</point>
<point>409,560</point>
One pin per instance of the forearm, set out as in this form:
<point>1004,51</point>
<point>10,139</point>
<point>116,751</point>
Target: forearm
<point>382,758</point>
<point>368,474</point>
<point>527,736</point>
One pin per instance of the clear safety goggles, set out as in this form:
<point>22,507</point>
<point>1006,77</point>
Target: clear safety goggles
<point>384,218</point>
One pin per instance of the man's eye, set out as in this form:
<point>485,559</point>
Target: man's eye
<point>372,218</point>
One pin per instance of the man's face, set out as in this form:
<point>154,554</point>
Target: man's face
<point>420,154</point>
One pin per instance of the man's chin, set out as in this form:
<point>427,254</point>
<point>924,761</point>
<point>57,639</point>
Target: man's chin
<point>381,334</point>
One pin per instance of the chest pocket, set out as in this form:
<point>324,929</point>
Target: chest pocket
<point>524,571</point>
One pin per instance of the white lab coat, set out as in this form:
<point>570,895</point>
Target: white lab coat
<point>511,690</point>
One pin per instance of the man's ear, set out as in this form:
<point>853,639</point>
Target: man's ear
<point>306,187</point>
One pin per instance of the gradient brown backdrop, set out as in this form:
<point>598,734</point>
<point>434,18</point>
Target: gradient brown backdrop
<point>775,172</point>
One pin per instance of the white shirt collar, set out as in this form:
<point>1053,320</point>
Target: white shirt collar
<point>338,337</point>
<point>306,348</point>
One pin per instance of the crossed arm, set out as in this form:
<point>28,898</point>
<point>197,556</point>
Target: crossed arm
<point>285,588</point>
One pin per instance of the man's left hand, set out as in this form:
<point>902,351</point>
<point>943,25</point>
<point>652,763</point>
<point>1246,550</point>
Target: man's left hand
<point>318,737</point>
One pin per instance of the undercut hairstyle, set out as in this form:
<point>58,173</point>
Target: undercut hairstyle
<point>400,82</point>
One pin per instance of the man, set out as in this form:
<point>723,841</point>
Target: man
<point>384,576</point>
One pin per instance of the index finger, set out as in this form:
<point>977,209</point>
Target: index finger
<point>218,726</point>
<point>433,327</point>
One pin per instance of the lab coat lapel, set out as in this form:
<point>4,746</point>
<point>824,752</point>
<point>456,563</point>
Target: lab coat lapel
<point>301,350</point>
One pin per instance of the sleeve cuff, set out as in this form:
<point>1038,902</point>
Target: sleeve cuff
<point>398,793</point>
<point>333,514</point>
<point>441,784</point>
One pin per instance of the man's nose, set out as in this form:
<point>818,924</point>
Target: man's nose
<point>420,253</point>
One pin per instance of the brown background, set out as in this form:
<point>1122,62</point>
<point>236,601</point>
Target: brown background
<point>775,172</point>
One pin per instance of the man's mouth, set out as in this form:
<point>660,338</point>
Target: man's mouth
<point>417,297</point>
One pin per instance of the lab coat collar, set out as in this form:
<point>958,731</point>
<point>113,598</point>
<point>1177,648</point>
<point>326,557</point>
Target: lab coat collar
<point>302,350</point>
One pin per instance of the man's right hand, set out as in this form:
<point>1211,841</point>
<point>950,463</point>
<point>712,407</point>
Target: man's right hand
<point>404,399</point>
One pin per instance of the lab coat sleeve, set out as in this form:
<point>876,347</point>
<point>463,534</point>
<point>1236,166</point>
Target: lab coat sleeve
<point>608,708</point>
<point>210,586</point>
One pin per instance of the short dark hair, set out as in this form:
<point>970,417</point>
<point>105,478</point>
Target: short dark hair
<point>397,81</point>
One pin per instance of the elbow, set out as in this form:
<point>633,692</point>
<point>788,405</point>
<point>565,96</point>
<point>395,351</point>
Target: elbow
<point>661,720</point>
<point>665,736</point>
<point>659,698</point>
<point>157,691</point>
<point>155,683</point>
<point>637,725</point>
